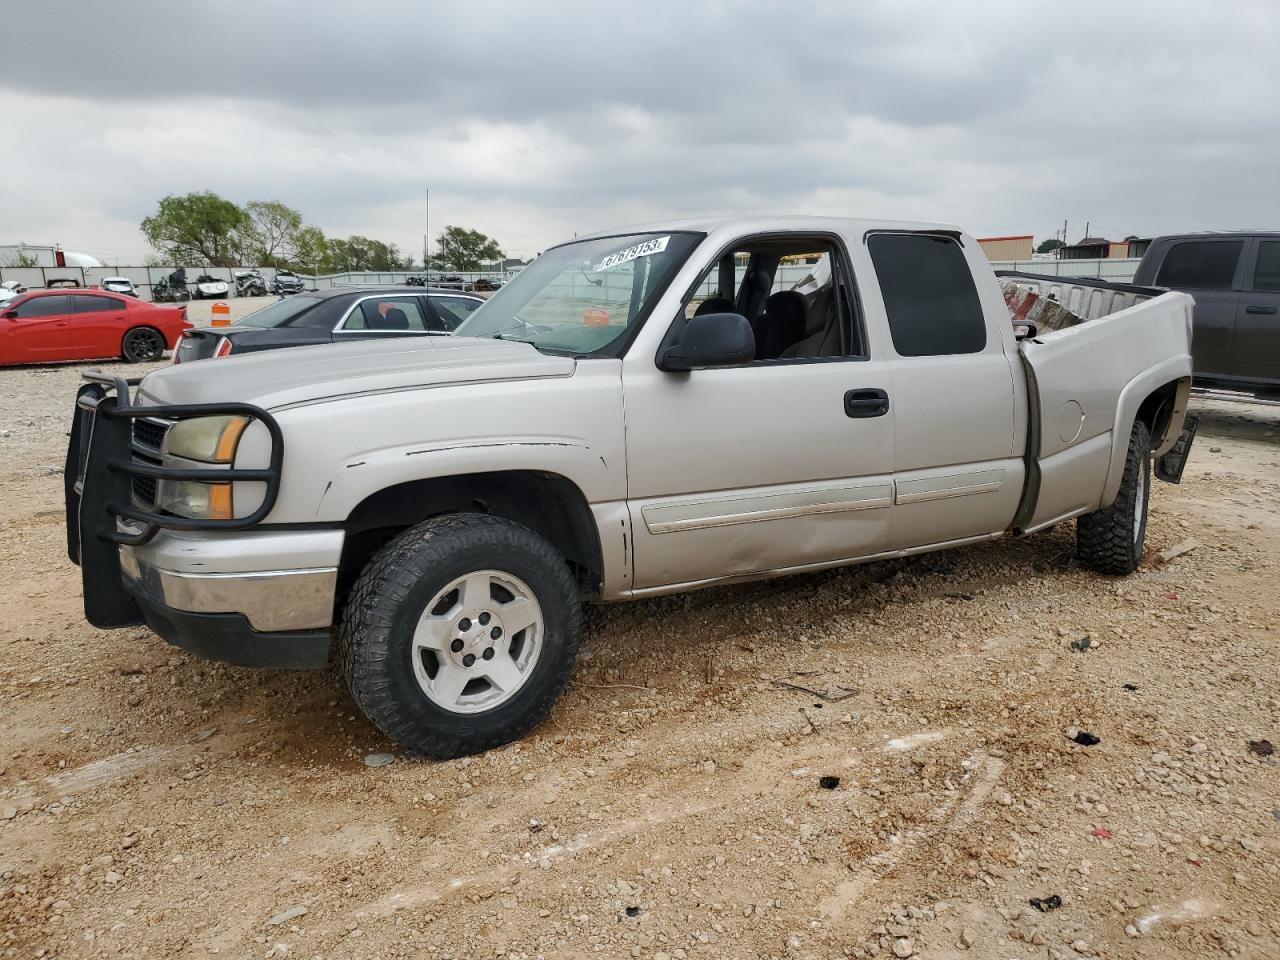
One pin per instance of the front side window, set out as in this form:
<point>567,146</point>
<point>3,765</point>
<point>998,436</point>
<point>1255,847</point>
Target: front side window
<point>584,297</point>
<point>1200,265</point>
<point>386,314</point>
<point>792,290</point>
<point>1266,276</point>
<point>84,303</point>
<point>929,296</point>
<point>453,310</point>
<point>44,307</point>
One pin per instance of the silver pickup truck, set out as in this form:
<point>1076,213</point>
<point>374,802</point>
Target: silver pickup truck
<point>636,413</point>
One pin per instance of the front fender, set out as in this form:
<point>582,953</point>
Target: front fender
<point>367,474</point>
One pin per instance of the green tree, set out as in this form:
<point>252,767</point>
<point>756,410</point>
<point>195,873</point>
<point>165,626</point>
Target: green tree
<point>197,227</point>
<point>463,249</point>
<point>1050,245</point>
<point>311,251</point>
<point>357,253</point>
<point>271,234</point>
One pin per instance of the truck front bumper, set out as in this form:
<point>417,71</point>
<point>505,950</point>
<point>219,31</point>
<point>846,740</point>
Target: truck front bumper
<point>223,589</point>
<point>196,593</point>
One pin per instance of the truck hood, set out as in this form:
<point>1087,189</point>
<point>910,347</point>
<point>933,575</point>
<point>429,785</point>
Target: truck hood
<point>279,378</point>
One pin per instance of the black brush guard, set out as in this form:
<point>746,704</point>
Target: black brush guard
<point>98,478</point>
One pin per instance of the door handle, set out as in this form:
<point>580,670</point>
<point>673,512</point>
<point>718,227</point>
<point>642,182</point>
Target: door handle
<point>1262,310</point>
<point>866,403</point>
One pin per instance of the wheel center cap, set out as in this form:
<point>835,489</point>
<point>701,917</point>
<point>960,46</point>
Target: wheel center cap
<point>476,638</point>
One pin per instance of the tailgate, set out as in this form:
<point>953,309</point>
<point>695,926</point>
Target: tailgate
<point>1085,384</point>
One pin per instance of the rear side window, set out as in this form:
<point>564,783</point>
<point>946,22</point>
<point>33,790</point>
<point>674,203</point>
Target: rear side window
<point>387,313</point>
<point>1267,274</point>
<point>44,306</point>
<point>87,304</point>
<point>929,295</point>
<point>1200,265</point>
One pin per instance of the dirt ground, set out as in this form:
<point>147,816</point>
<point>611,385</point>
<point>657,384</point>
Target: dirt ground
<point>156,805</point>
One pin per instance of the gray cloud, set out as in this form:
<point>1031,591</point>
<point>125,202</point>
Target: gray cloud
<point>531,121</point>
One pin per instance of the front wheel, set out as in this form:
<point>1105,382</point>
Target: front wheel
<point>1110,540</point>
<point>460,634</point>
<point>142,345</point>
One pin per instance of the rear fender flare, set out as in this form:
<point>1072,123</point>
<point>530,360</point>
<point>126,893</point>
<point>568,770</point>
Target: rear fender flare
<point>1174,369</point>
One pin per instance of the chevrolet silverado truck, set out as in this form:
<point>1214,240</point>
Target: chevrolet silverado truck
<point>636,413</point>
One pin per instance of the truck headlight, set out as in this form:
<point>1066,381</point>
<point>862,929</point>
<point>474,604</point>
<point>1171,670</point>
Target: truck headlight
<point>195,499</point>
<point>207,439</point>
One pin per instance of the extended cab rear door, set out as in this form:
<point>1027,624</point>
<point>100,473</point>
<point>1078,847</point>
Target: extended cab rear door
<point>957,412</point>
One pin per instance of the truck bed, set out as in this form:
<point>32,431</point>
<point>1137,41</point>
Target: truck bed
<point>1087,382</point>
<point>1052,302</point>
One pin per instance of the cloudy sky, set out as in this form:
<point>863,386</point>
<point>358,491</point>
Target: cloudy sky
<point>532,121</point>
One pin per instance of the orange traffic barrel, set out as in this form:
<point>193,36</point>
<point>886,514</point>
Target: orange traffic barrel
<point>221,314</point>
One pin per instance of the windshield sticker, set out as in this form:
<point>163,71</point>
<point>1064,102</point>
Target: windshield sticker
<point>648,248</point>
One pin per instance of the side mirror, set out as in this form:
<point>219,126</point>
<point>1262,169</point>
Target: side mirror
<point>11,314</point>
<point>711,340</point>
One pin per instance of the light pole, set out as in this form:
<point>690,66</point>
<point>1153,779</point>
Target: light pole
<point>426,241</point>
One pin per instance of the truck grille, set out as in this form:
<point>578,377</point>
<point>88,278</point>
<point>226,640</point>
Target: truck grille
<point>148,440</point>
<point>149,432</point>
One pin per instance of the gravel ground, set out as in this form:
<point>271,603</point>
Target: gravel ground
<point>152,804</point>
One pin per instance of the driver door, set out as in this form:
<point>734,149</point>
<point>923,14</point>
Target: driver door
<point>38,331</point>
<point>779,464</point>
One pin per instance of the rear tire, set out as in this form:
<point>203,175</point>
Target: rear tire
<point>424,627</point>
<point>1111,540</point>
<point>142,345</point>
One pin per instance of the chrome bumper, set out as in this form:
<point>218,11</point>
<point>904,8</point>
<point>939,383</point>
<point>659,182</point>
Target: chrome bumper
<point>278,581</point>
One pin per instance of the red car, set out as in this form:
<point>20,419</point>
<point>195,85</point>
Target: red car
<point>49,325</point>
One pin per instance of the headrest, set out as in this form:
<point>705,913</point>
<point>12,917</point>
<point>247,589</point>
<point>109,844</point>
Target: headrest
<point>714,305</point>
<point>787,307</point>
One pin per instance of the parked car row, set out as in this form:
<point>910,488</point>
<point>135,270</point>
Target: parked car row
<point>48,325</point>
<point>332,316</point>
<point>451,281</point>
<point>85,324</point>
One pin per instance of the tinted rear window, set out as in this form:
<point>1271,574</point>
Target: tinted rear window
<point>1200,265</point>
<point>86,303</point>
<point>278,314</point>
<point>929,295</point>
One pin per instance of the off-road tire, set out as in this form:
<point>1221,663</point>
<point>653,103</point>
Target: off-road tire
<point>142,345</point>
<point>1111,540</point>
<point>388,598</point>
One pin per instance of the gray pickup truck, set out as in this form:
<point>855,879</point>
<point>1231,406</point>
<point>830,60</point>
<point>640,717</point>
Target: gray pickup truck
<point>1235,280</point>
<point>636,413</point>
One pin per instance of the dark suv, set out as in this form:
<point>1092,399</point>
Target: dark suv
<point>1235,279</point>
<point>329,316</point>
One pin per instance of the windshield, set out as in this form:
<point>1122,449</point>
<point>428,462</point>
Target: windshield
<point>583,297</point>
<point>278,314</point>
